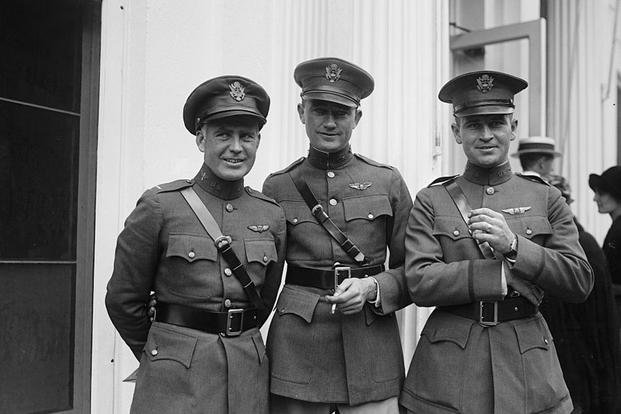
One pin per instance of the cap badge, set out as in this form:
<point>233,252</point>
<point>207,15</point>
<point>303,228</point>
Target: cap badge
<point>361,186</point>
<point>237,91</point>
<point>259,228</point>
<point>333,72</point>
<point>485,83</point>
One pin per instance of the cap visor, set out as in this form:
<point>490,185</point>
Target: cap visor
<point>330,97</point>
<point>485,110</point>
<point>234,112</point>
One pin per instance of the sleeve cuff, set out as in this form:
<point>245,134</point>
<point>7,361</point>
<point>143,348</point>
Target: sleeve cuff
<point>377,301</point>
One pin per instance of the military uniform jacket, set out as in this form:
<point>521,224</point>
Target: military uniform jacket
<point>164,248</point>
<point>459,365</point>
<point>317,356</point>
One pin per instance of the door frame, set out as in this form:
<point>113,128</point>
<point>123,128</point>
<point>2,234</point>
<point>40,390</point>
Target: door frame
<point>535,32</point>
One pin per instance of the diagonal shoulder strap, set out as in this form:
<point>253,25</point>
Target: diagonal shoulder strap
<point>326,222</point>
<point>461,202</point>
<point>223,244</point>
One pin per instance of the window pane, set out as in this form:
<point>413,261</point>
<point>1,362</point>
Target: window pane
<point>37,338</point>
<point>41,55</point>
<point>38,177</point>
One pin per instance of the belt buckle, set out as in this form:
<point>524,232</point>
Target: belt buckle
<point>482,312</point>
<point>229,317</point>
<point>339,270</point>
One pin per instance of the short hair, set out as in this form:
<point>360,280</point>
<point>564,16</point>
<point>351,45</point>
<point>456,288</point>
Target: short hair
<point>531,158</point>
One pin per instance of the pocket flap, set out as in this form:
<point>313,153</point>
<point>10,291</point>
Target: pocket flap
<point>191,247</point>
<point>449,226</point>
<point>531,334</point>
<point>368,207</point>
<point>535,225</point>
<point>171,345</point>
<point>448,329</point>
<point>297,212</point>
<point>297,302</point>
<point>261,251</point>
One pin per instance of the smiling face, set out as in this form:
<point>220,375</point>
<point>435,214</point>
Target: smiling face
<point>328,125</point>
<point>230,145</point>
<point>485,138</point>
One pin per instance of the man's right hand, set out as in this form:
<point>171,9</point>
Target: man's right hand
<point>151,306</point>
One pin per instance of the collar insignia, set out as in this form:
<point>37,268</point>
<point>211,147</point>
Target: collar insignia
<point>516,210</point>
<point>259,228</point>
<point>361,186</point>
<point>485,83</point>
<point>237,91</point>
<point>333,72</point>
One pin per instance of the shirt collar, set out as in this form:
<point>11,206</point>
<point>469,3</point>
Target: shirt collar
<point>488,176</point>
<point>328,160</point>
<point>214,185</point>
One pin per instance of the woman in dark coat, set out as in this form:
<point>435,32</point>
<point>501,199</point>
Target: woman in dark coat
<point>585,334</point>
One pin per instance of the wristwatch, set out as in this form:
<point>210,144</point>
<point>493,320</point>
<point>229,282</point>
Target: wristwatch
<point>511,255</point>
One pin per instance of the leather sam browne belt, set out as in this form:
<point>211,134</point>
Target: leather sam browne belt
<point>230,323</point>
<point>491,313</point>
<point>325,279</point>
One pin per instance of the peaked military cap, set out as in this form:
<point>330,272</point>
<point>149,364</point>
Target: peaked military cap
<point>225,96</point>
<point>609,182</point>
<point>482,93</point>
<point>536,145</point>
<point>334,80</point>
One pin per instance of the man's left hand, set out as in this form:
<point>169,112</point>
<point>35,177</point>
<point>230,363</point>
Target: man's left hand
<point>351,295</point>
<point>490,226</point>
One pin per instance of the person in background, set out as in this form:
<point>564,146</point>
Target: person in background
<point>536,155</point>
<point>483,248</point>
<point>585,334</point>
<point>212,250</point>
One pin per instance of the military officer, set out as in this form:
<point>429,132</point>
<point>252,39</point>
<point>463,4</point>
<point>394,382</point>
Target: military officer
<point>340,348</point>
<point>537,155</point>
<point>483,247</point>
<point>204,352</point>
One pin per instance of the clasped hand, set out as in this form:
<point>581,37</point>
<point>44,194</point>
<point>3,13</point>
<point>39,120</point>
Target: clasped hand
<point>487,225</point>
<point>351,295</point>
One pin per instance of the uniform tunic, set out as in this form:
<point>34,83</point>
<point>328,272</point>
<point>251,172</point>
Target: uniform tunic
<point>322,357</point>
<point>164,248</point>
<point>460,366</point>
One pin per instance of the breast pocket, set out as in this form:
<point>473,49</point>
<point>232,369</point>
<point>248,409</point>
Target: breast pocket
<point>536,228</point>
<point>259,253</point>
<point>191,247</point>
<point>366,216</point>
<point>455,239</point>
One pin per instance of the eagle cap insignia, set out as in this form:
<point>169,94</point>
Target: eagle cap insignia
<point>485,83</point>
<point>361,186</point>
<point>259,228</point>
<point>237,91</point>
<point>516,210</point>
<point>333,72</point>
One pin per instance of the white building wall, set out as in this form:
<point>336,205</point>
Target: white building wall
<point>154,53</point>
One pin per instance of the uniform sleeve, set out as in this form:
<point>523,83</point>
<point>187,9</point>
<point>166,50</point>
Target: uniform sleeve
<point>558,266</point>
<point>392,284</point>
<point>135,265</point>
<point>273,274</point>
<point>433,282</point>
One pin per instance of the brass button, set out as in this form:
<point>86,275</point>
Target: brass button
<point>529,231</point>
<point>229,207</point>
<point>295,220</point>
<point>331,174</point>
<point>370,215</point>
<point>227,303</point>
<point>333,202</point>
<point>545,341</point>
<point>455,232</point>
<point>515,309</point>
<point>265,258</point>
<point>191,254</point>
<point>490,190</point>
<point>154,352</point>
<point>228,272</point>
